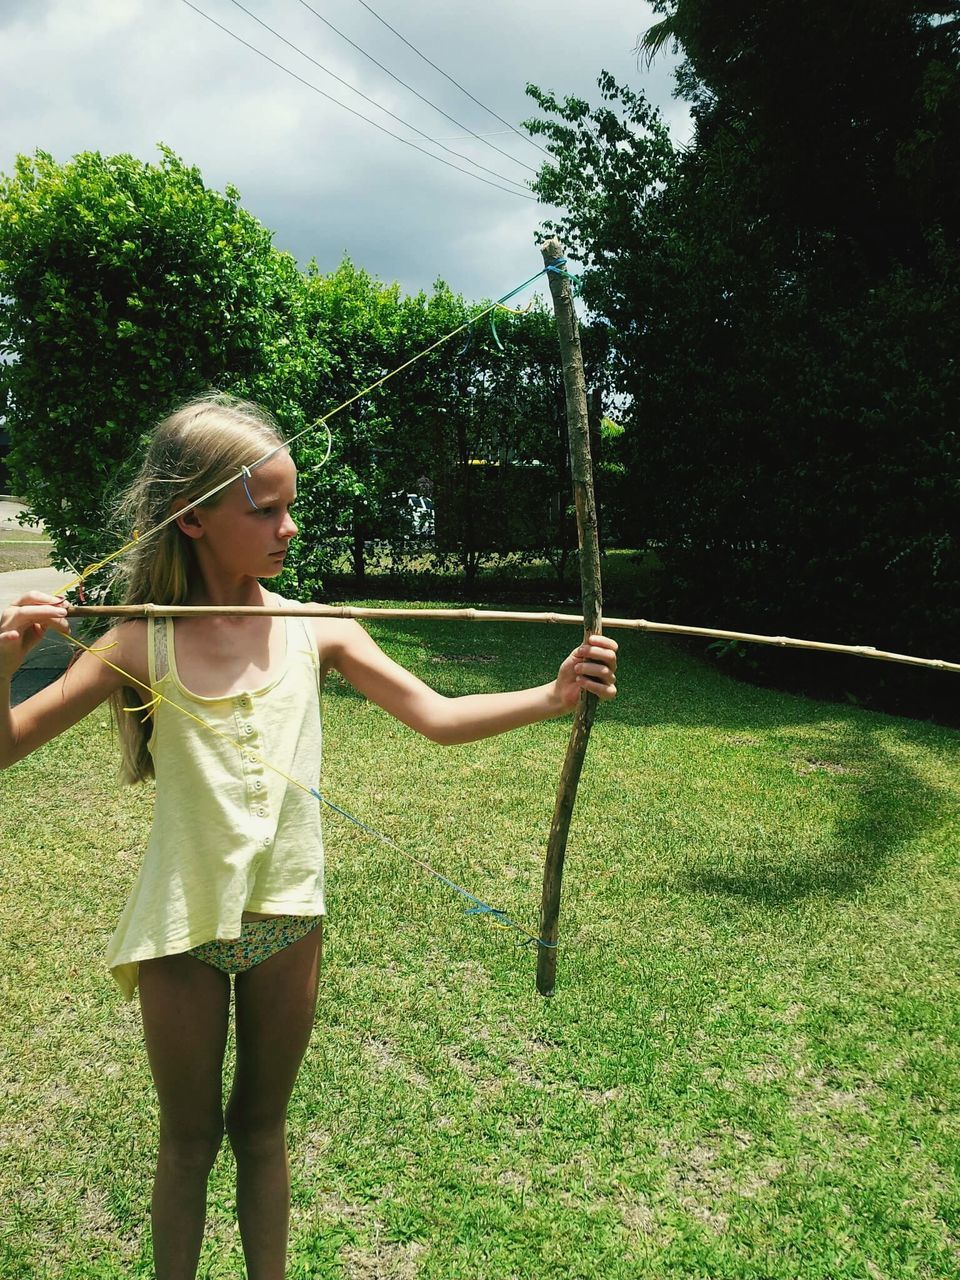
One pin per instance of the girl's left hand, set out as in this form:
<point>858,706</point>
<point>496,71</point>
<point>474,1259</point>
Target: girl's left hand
<point>592,667</point>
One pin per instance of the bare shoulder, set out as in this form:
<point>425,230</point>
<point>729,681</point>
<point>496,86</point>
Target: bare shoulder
<point>125,647</point>
<point>337,637</point>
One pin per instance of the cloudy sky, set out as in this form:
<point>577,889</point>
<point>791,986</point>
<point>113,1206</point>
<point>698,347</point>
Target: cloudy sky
<point>122,75</point>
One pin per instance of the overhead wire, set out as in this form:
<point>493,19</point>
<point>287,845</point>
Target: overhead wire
<point>353,89</point>
<point>359,114</point>
<point>489,110</point>
<point>459,123</point>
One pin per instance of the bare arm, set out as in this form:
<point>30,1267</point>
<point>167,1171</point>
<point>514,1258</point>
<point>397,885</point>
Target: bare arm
<point>84,685</point>
<point>357,657</point>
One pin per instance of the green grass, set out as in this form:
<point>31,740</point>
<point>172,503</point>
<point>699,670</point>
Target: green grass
<point>628,577</point>
<point>14,554</point>
<point>749,1070</point>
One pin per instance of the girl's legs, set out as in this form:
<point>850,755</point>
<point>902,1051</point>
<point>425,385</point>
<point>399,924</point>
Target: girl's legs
<point>275,1006</point>
<point>185,1006</point>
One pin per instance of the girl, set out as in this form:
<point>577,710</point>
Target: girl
<point>232,877</point>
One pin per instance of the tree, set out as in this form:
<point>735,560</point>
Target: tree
<point>491,412</point>
<point>783,306</point>
<point>126,288</point>
<point>356,321</point>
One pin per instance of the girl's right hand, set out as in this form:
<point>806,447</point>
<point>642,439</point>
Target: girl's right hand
<point>23,624</point>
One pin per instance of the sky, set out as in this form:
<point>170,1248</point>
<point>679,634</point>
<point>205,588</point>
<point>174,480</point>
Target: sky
<point>121,76</point>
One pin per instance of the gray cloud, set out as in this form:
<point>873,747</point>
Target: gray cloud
<point>122,75</point>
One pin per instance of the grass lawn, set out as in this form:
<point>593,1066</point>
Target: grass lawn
<point>627,578</point>
<point>749,1068</point>
<point>23,549</point>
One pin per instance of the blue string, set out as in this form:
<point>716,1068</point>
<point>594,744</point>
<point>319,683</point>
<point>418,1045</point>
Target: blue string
<point>479,908</point>
<point>467,344</point>
<point>557,268</point>
<point>513,292</point>
<point>245,476</point>
<point>493,330</point>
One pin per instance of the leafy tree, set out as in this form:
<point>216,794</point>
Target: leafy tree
<point>355,321</point>
<point>125,288</point>
<point>783,307</point>
<point>491,413</point>
<point>834,120</point>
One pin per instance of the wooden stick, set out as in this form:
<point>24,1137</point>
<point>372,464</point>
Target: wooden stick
<point>495,615</point>
<point>581,466</point>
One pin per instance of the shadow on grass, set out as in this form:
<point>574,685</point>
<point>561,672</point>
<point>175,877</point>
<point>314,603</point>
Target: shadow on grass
<point>882,802</point>
<point>885,806</point>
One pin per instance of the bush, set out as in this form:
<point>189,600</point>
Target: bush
<point>126,288</point>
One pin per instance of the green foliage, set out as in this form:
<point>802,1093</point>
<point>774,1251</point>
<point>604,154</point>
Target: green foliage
<point>783,301</point>
<point>478,424</point>
<point>350,327</point>
<point>126,288</point>
<point>747,1072</point>
<point>505,471</point>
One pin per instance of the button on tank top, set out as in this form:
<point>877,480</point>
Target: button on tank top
<point>229,833</point>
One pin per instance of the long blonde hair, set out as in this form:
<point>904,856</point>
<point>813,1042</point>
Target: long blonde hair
<point>197,447</point>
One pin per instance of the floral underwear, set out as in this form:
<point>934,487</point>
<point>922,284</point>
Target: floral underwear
<point>259,939</point>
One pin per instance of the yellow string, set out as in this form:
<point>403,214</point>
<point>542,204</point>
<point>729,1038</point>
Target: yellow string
<point>148,707</point>
<point>158,698</point>
<point>137,537</point>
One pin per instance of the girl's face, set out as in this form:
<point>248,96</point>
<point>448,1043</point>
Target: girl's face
<point>237,539</point>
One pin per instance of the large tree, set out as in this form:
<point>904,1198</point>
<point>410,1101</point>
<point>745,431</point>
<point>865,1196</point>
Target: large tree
<point>125,288</point>
<point>784,301</point>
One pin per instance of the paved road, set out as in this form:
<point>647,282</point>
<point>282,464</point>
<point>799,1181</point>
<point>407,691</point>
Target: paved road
<point>19,581</point>
<point>9,511</point>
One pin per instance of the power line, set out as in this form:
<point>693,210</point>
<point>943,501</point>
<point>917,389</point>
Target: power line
<point>358,114</point>
<point>489,110</point>
<point>347,85</point>
<point>410,88</point>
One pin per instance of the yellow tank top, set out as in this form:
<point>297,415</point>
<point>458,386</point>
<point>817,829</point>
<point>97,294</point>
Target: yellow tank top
<point>229,834</point>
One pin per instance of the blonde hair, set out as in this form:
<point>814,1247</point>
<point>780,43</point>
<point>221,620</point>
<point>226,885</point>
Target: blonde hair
<point>202,444</point>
